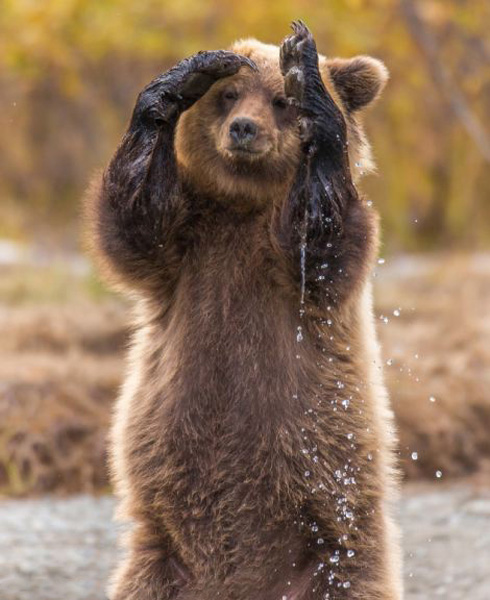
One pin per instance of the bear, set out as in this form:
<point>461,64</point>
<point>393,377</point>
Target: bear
<point>253,443</point>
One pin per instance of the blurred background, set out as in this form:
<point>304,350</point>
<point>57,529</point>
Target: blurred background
<point>70,71</point>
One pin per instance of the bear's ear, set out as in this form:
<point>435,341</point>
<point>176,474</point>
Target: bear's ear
<point>359,80</point>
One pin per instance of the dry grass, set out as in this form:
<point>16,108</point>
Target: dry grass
<point>59,372</point>
<point>60,367</point>
<point>439,380</point>
<point>61,363</point>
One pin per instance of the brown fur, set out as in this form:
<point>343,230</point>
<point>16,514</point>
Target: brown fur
<point>252,464</point>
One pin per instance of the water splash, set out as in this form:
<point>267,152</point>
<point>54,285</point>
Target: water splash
<point>302,247</point>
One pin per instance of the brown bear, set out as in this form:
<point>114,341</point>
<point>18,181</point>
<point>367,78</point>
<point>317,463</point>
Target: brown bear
<point>253,442</point>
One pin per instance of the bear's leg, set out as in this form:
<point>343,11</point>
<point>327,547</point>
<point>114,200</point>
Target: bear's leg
<point>139,207</point>
<point>341,573</point>
<point>359,568</point>
<point>151,571</point>
<point>324,225</point>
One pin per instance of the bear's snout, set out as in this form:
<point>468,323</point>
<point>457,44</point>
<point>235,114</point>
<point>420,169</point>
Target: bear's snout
<point>242,132</point>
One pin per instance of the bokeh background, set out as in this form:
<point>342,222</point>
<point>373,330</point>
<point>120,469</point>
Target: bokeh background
<point>70,71</point>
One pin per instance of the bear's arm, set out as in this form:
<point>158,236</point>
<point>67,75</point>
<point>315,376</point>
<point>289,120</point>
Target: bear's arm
<point>139,212</point>
<point>326,230</point>
<point>139,208</point>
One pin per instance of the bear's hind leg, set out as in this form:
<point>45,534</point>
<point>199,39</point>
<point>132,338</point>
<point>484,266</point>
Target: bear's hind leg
<point>151,571</point>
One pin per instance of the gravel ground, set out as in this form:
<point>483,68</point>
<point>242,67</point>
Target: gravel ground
<point>52,549</point>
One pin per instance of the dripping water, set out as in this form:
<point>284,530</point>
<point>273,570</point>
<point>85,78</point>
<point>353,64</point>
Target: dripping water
<point>302,262</point>
<point>302,247</point>
<point>303,244</point>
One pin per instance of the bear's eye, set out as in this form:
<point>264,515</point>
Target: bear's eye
<point>230,95</point>
<point>280,102</point>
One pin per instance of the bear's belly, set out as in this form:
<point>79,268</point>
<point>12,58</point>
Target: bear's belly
<point>229,517</point>
<point>231,434</point>
<point>222,486</point>
<point>218,445</point>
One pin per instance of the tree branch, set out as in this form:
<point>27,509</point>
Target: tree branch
<point>441,77</point>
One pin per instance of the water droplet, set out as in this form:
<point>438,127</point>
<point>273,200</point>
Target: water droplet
<point>334,559</point>
<point>396,312</point>
<point>389,362</point>
<point>415,456</point>
<point>307,473</point>
<point>381,261</point>
<point>346,584</point>
<point>350,553</point>
<point>303,260</point>
<point>320,541</point>
<point>299,335</point>
<point>438,474</point>
<point>432,399</point>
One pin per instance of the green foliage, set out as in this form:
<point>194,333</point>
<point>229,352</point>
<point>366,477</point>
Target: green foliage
<point>70,71</point>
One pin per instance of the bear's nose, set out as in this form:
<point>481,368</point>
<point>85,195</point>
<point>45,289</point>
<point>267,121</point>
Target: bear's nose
<point>243,131</point>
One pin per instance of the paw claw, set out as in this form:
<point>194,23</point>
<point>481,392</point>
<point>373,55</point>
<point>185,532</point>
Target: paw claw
<point>300,29</point>
<point>223,64</point>
<point>305,89</point>
<point>295,48</point>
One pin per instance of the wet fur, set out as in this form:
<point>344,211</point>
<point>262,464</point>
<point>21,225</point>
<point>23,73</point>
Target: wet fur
<point>231,447</point>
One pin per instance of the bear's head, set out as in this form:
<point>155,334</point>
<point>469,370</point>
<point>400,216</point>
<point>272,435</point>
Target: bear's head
<point>240,139</point>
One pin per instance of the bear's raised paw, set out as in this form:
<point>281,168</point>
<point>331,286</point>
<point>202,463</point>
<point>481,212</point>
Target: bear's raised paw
<point>169,94</point>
